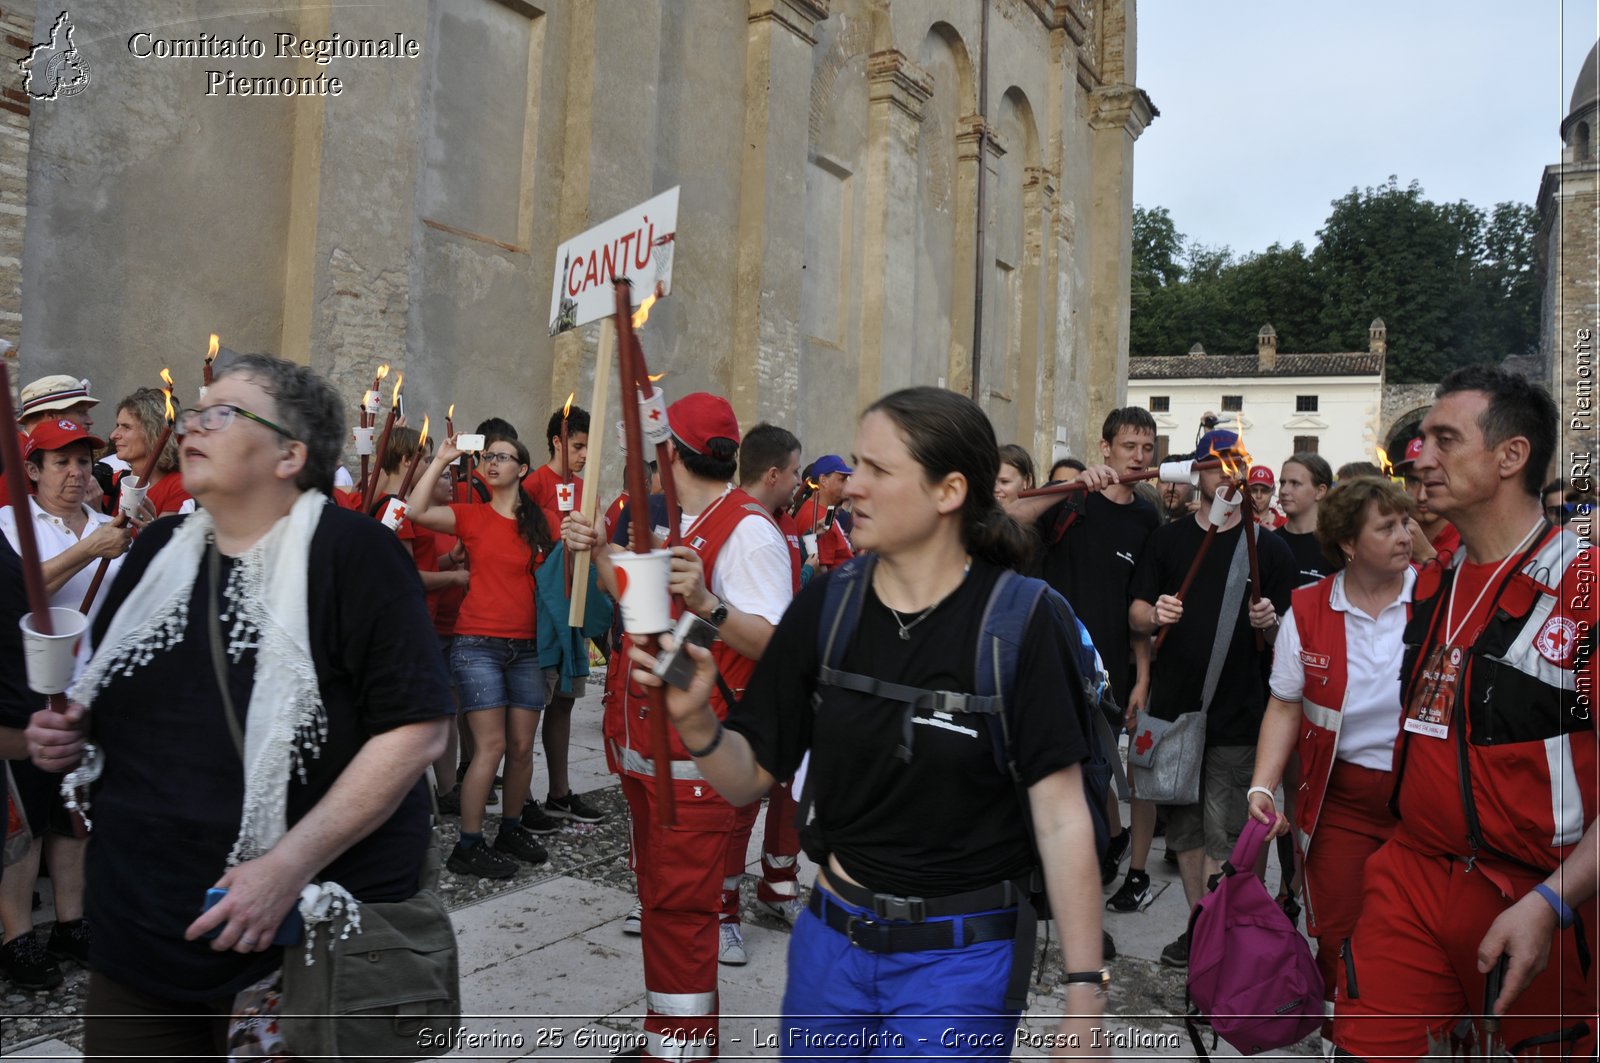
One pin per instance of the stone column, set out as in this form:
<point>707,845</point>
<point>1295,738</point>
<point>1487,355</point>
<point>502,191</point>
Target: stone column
<point>764,370</point>
<point>975,135</point>
<point>1038,372</point>
<point>897,89</point>
<point>1118,114</point>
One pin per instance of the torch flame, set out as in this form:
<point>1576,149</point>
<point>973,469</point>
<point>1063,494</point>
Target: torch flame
<point>422,439</point>
<point>167,394</point>
<point>656,378</point>
<point>450,413</point>
<point>383,371</point>
<point>641,315</point>
<point>399,378</point>
<point>568,407</point>
<point>1383,462</point>
<point>211,351</point>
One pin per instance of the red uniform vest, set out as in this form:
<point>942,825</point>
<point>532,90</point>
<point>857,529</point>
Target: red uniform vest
<point>1323,658</point>
<point>630,742</point>
<point>791,537</point>
<point>1522,749</point>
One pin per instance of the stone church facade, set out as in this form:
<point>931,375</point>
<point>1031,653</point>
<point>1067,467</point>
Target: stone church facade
<point>830,240</point>
<point>1569,235</point>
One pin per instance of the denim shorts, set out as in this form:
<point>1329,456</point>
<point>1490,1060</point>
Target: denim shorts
<point>494,672</point>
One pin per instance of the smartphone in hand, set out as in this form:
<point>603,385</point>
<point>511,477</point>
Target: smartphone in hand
<point>290,931</point>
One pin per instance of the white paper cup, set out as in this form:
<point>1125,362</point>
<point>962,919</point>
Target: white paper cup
<point>369,402</point>
<point>393,513</point>
<point>642,591</point>
<point>809,541</point>
<point>622,437</point>
<point>1179,472</point>
<point>49,658</point>
<point>132,495</point>
<point>653,418</point>
<point>566,497</point>
<point>363,441</point>
<point>469,442</point>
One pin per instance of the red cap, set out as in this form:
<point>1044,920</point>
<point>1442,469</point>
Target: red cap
<point>699,418</point>
<point>1261,474</point>
<point>1413,452</point>
<point>54,434</point>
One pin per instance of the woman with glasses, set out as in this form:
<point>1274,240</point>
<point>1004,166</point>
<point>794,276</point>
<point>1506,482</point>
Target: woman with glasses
<point>140,418</point>
<point>495,654</point>
<point>264,695</point>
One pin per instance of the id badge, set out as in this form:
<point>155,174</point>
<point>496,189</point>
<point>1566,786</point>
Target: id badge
<point>1434,701</point>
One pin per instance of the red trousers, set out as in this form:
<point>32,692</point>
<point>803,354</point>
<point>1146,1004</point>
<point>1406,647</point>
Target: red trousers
<point>744,824</point>
<point>1413,974</point>
<point>680,873</point>
<point>1354,823</point>
<point>780,851</point>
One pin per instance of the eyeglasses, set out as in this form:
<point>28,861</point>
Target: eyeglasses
<point>218,417</point>
<point>494,457</point>
<point>1561,512</point>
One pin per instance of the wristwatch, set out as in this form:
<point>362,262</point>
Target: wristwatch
<point>1100,979</point>
<point>718,615</point>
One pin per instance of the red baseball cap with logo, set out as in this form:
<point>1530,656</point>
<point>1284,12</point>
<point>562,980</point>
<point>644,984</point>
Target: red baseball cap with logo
<point>53,433</point>
<point>699,418</point>
<point>1261,474</point>
<point>1413,452</point>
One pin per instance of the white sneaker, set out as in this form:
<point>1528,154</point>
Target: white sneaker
<point>732,953</point>
<point>787,910</point>
<point>633,922</point>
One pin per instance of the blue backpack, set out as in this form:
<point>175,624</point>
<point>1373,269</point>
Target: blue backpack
<point>1006,619</point>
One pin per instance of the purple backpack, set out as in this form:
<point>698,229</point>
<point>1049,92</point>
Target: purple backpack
<point>1251,974</point>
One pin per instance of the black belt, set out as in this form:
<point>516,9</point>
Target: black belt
<point>950,930</point>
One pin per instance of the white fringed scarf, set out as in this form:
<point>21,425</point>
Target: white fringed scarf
<point>286,718</point>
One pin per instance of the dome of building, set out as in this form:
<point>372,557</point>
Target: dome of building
<point>1586,90</point>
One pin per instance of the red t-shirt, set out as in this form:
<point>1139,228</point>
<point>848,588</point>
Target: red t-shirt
<point>499,601</point>
<point>1446,542</point>
<point>347,499</point>
<point>542,485</point>
<point>833,549</point>
<point>1432,817</point>
<point>445,604</point>
<point>167,494</point>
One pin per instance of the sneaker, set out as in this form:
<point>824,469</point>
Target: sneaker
<point>787,910</point>
<point>1177,953</point>
<point>536,820</point>
<point>633,922</point>
<point>24,961</point>
<point>520,843</point>
<point>574,808</point>
<point>480,861</point>
<point>1112,862</point>
<point>450,803</point>
<point>70,941</point>
<point>732,952</point>
<point>1134,894</point>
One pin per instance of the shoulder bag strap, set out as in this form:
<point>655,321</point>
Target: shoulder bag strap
<point>1227,619</point>
<point>214,625</point>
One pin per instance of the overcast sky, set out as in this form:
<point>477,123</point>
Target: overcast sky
<point>1271,110</point>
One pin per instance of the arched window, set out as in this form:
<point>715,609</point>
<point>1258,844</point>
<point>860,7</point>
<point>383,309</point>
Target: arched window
<point>1580,142</point>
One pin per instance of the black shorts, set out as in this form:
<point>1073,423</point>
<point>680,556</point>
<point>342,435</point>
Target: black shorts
<point>42,804</point>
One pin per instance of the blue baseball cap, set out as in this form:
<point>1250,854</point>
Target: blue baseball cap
<point>830,463</point>
<point>1216,441</point>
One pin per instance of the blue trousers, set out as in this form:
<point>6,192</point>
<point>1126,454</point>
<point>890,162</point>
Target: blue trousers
<point>843,1002</point>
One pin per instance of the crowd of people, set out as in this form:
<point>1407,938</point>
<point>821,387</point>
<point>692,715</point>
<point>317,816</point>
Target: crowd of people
<point>1443,761</point>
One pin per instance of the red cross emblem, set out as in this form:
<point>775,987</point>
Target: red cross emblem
<point>1557,641</point>
<point>655,415</point>
<point>1142,744</point>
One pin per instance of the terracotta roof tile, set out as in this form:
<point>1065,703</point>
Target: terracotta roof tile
<point>1353,363</point>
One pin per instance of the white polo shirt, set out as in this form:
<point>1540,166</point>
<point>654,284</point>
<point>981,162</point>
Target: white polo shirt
<point>1374,647</point>
<point>54,537</point>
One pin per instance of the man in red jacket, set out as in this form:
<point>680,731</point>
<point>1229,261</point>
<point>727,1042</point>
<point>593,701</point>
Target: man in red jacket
<point>1493,867</point>
<point>733,570</point>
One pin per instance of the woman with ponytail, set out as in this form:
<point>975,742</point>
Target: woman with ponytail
<point>911,937</point>
<point>495,654</point>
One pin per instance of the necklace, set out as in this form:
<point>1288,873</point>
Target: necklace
<point>1450,607</point>
<point>905,627</point>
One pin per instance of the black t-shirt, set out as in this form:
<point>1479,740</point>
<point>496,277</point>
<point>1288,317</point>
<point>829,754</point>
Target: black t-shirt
<point>948,821</point>
<point>1310,564</point>
<point>166,810</point>
<point>1092,566</point>
<point>1179,672</point>
<point>16,702</point>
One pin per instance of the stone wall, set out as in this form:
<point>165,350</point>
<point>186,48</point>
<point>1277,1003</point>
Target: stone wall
<point>16,40</point>
<point>1571,203</point>
<point>828,151</point>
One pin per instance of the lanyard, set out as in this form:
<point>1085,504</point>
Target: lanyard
<point>1451,634</point>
